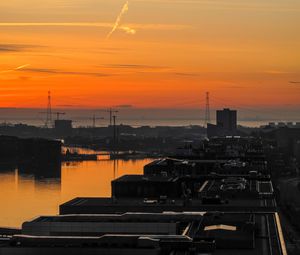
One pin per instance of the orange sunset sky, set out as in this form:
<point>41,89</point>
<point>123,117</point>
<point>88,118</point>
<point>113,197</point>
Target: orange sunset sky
<point>162,53</point>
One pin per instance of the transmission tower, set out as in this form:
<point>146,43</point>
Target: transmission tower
<point>207,110</point>
<point>48,122</point>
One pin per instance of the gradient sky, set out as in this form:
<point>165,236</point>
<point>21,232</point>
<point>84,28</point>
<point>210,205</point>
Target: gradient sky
<point>163,54</point>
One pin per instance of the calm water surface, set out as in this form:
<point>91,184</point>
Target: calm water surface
<point>25,196</point>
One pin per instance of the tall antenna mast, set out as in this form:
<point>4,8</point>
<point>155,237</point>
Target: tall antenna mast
<point>207,110</point>
<point>48,122</point>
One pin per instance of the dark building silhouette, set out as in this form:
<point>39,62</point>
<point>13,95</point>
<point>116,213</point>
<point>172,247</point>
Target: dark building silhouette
<point>297,150</point>
<point>63,127</point>
<point>34,155</point>
<point>227,119</point>
<point>226,124</point>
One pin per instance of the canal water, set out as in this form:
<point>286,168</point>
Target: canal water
<point>27,195</point>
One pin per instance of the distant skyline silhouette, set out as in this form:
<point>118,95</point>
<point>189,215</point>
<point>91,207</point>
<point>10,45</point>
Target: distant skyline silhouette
<point>153,117</point>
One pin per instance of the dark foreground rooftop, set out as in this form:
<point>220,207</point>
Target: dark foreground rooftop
<point>148,233</point>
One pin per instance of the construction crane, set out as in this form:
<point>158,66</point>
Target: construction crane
<point>52,113</point>
<point>94,118</point>
<point>58,114</point>
<point>111,113</point>
<point>114,134</point>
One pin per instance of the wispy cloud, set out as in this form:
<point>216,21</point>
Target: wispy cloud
<point>134,66</point>
<point>128,30</point>
<point>22,67</point>
<point>55,24</point>
<point>124,106</point>
<point>270,6</point>
<point>71,105</point>
<point>14,47</point>
<point>127,27</point>
<point>133,69</point>
<point>185,74</point>
<point>15,69</point>
<point>295,82</point>
<point>276,72</point>
<point>56,71</point>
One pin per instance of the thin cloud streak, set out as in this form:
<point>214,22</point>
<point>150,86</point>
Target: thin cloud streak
<point>56,71</point>
<point>124,106</point>
<point>134,66</point>
<point>55,24</point>
<point>21,67</point>
<point>127,28</point>
<point>234,5</point>
<point>15,69</point>
<point>15,47</point>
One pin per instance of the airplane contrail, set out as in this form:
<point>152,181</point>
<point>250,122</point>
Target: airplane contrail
<point>15,69</point>
<point>118,20</point>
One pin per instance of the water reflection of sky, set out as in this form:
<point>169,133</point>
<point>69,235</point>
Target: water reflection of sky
<point>26,195</point>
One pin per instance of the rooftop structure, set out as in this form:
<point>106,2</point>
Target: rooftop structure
<point>170,167</point>
<point>205,193</point>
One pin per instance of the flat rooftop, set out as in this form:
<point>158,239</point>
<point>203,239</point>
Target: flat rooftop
<point>219,233</point>
<point>84,205</point>
<point>143,178</point>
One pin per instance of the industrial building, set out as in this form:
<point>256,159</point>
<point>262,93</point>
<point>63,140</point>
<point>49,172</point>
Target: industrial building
<point>30,152</point>
<point>205,193</point>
